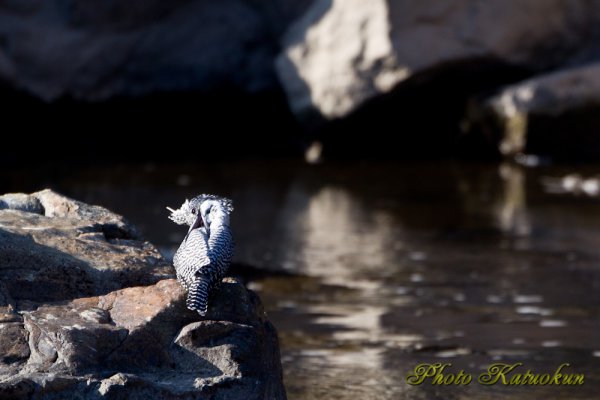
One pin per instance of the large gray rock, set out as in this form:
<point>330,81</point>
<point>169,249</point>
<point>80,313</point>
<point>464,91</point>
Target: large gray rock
<point>342,53</point>
<point>508,114</point>
<point>85,313</point>
<point>95,50</point>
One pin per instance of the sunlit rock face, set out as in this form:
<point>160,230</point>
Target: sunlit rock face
<point>342,53</point>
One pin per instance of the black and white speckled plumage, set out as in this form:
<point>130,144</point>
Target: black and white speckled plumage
<point>205,254</point>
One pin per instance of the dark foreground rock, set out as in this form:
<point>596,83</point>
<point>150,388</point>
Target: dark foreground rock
<point>85,312</point>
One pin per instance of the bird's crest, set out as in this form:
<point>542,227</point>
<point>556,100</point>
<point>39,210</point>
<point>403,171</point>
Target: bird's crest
<point>226,203</point>
<point>179,216</point>
<point>182,215</point>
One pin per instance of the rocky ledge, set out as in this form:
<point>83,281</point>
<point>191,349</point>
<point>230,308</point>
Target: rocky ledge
<point>89,310</point>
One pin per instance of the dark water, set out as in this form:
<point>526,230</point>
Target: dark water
<point>392,265</point>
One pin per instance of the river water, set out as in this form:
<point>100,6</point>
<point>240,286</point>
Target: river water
<point>374,268</point>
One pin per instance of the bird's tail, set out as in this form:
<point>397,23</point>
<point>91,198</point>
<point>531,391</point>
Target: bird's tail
<point>198,292</point>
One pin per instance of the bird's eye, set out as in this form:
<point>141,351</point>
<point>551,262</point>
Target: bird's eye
<point>193,211</point>
<point>208,211</point>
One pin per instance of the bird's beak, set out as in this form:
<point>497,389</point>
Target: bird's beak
<point>198,224</point>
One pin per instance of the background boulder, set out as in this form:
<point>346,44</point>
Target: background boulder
<point>342,53</point>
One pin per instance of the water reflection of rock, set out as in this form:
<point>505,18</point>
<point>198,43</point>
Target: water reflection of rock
<point>336,234</point>
<point>482,293</point>
<point>496,198</point>
<point>331,234</point>
<point>511,207</point>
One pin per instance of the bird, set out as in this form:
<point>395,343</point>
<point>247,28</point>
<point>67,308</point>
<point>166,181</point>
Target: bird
<point>202,259</point>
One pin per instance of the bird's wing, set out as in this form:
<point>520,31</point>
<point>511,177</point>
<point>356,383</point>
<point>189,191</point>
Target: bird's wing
<point>191,257</point>
<point>197,244</point>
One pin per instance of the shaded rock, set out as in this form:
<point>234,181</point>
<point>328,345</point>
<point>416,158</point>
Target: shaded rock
<point>21,202</point>
<point>542,106</point>
<point>135,342</point>
<point>342,53</point>
<point>90,50</point>
<point>13,347</point>
<point>7,306</point>
<point>62,340</point>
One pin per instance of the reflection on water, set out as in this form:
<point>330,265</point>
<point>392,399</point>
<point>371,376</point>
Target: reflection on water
<point>394,265</point>
<point>331,236</point>
<point>511,208</point>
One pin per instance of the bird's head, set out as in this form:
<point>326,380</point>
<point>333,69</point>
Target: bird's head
<point>203,211</point>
